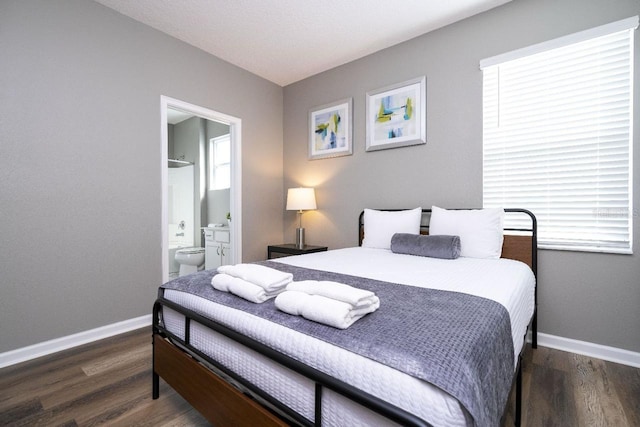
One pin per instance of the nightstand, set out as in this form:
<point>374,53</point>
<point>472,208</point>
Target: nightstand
<point>286,249</point>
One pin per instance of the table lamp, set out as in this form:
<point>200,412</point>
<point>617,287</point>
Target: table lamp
<point>300,199</point>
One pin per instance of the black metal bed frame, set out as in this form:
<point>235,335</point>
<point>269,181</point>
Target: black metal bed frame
<point>322,381</point>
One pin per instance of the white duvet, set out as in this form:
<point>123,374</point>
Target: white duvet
<point>508,282</point>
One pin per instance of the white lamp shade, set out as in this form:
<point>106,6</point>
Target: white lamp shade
<point>301,199</point>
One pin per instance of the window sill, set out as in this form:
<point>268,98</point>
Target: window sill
<point>594,249</point>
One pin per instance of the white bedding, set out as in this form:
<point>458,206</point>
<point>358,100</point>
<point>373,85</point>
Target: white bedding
<point>514,287</point>
<point>508,282</point>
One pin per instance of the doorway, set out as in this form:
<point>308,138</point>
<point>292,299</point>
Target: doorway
<point>169,108</point>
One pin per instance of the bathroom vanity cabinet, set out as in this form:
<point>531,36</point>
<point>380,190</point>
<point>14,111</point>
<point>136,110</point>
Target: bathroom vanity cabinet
<point>217,244</point>
<point>216,254</point>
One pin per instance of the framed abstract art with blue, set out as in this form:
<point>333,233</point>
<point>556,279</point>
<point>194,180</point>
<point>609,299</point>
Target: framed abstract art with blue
<point>396,115</point>
<point>330,130</point>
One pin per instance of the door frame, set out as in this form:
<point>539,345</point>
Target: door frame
<point>235,133</point>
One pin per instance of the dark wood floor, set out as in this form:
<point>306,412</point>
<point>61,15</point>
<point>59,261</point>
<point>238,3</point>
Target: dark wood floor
<point>109,382</point>
<point>567,389</point>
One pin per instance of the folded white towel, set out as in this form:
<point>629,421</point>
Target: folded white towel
<point>321,309</point>
<point>242,288</point>
<point>337,291</point>
<point>267,278</point>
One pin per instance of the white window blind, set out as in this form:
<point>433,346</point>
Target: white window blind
<point>557,139</point>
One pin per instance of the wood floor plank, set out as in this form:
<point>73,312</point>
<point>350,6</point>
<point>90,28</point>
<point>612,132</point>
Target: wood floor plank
<point>53,382</point>
<point>169,408</point>
<point>13,414</point>
<point>33,369</point>
<point>549,403</point>
<point>190,418</point>
<point>113,362</point>
<point>54,373</point>
<point>109,383</point>
<point>84,385</point>
<point>597,402</point>
<point>551,359</point>
<point>108,406</point>
<point>626,381</point>
<point>80,409</point>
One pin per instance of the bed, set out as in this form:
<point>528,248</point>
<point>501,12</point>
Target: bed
<point>238,368</point>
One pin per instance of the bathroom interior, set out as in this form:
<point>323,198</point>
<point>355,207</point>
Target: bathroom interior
<point>198,193</point>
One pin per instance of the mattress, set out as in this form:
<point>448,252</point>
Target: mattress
<point>507,282</point>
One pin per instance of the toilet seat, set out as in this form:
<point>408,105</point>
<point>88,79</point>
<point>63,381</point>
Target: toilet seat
<point>188,251</point>
<point>190,260</point>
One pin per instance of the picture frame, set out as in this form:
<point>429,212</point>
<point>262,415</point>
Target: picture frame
<point>331,130</point>
<point>396,115</point>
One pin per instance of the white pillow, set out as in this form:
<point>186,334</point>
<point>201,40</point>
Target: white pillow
<point>480,230</point>
<point>380,226</point>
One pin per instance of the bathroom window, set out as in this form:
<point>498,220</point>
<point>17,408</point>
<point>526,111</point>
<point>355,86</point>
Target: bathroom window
<point>220,162</point>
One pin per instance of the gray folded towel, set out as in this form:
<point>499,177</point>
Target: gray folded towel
<point>440,246</point>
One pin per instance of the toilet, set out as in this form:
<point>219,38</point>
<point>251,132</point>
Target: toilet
<point>190,260</point>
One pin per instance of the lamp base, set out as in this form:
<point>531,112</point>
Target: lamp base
<point>300,238</point>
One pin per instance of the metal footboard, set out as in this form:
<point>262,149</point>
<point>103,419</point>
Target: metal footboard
<point>321,380</point>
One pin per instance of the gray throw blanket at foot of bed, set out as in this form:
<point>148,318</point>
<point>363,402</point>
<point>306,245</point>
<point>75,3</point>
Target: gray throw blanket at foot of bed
<point>458,342</point>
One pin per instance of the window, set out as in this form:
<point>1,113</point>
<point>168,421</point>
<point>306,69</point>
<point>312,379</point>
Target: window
<point>220,162</point>
<point>557,137</point>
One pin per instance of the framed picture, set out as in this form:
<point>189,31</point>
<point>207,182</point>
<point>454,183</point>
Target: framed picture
<point>397,115</point>
<point>330,130</point>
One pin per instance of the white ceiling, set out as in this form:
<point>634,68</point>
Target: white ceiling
<point>288,40</point>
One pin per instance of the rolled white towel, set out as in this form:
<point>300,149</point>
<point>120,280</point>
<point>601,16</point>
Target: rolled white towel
<point>320,309</point>
<point>241,288</point>
<point>268,278</point>
<point>337,291</point>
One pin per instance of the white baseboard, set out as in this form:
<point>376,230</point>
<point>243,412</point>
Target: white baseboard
<point>52,346</point>
<point>12,357</point>
<point>611,354</point>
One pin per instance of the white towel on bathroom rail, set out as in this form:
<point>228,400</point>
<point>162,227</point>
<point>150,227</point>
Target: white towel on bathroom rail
<point>242,288</point>
<point>270,279</point>
<point>321,309</point>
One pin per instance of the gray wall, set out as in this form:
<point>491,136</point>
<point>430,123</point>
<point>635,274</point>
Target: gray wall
<point>80,167</point>
<point>584,296</point>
